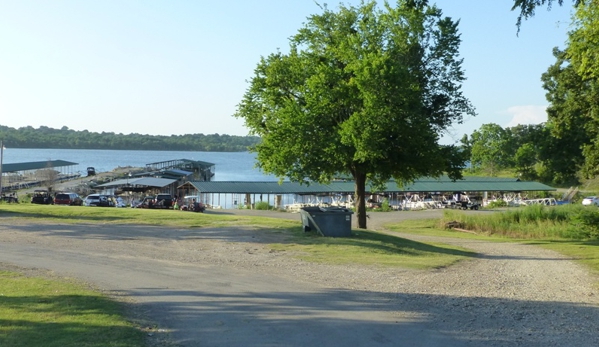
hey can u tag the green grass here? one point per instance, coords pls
(569, 222)
(585, 252)
(373, 249)
(57, 313)
(83, 214)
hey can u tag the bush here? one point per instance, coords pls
(263, 205)
(584, 223)
(536, 221)
(385, 207)
(497, 203)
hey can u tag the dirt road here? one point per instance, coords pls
(217, 287)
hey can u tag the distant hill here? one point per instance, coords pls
(65, 138)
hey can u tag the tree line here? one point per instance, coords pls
(65, 138)
(564, 149)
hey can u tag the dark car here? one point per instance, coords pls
(164, 201)
(72, 199)
(42, 197)
(10, 199)
(158, 201)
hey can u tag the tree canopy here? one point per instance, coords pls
(572, 85)
(527, 7)
(489, 148)
(364, 91)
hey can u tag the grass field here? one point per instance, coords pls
(584, 251)
(37, 311)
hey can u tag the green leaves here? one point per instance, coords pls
(364, 91)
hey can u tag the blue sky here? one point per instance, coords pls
(180, 67)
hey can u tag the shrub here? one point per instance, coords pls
(497, 203)
(385, 207)
(535, 221)
(263, 205)
(585, 223)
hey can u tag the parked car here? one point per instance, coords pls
(164, 201)
(591, 200)
(72, 199)
(10, 198)
(100, 200)
(146, 202)
(158, 201)
(41, 196)
(120, 202)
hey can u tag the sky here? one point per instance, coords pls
(181, 66)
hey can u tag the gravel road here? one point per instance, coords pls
(223, 287)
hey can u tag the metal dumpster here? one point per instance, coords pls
(328, 221)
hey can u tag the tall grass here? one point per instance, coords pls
(537, 221)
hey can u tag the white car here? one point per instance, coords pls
(590, 200)
(99, 200)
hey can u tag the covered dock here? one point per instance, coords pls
(202, 170)
(24, 175)
(238, 193)
(142, 184)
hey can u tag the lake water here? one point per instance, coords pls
(229, 166)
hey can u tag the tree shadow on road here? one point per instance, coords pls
(358, 318)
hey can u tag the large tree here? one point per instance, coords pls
(490, 149)
(527, 7)
(365, 91)
(572, 85)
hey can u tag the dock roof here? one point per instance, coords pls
(443, 184)
(35, 165)
(143, 181)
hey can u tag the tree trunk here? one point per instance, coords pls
(360, 188)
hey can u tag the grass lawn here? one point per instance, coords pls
(372, 248)
(584, 252)
(36, 311)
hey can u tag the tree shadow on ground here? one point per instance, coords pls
(358, 318)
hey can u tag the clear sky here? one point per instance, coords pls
(181, 66)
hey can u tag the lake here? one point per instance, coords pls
(229, 166)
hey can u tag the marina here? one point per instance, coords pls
(201, 179)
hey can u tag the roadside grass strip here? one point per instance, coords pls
(372, 249)
(106, 215)
(584, 251)
(43, 312)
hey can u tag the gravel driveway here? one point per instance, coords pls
(217, 287)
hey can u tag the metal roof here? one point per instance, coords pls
(143, 181)
(175, 173)
(469, 184)
(35, 165)
(201, 163)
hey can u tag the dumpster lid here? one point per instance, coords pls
(334, 209)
